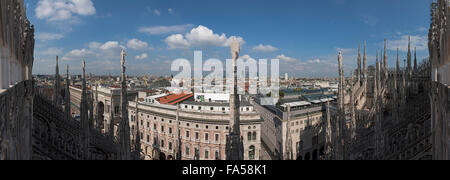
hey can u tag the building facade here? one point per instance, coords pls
(16, 85)
(439, 47)
(197, 130)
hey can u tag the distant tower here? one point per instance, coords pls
(84, 116)
(124, 124)
(234, 141)
(67, 97)
(57, 88)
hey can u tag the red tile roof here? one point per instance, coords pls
(173, 99)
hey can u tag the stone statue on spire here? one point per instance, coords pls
(124, 124)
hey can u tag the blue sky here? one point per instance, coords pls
(305, 35)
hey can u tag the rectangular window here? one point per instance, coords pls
(206, 154)
(170, 130)
(187, 134)
(187, 150)
(148, 138)
(148, 124)
(170, 146)
(196, 135)
(217, 155)
(217, 137)
(206, 136)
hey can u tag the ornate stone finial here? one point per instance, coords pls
(83, 64)
(122, 57)
(398, 60)
(235, 49)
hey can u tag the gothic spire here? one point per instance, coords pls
(352, 108)
(91, 105)
(329, 132)
(57, 88)
(234, 142)
(288, 143)
(96, 115)
(375, 79)
(178, 154)
(397, 69)
(67, 96)
(359, 63)
(409, 73)
(385, 61)
(365, 66)
(124, 126)
(111, 129)
(341, 110)
(84, 115)
(137, 133)
(415, 59)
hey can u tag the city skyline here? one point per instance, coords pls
(161, 32)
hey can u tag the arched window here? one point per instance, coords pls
(254, 136)
(249, 136)
(251, 153)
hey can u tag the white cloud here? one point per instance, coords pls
(316, 61)
(177, 41)
(170, 10)
(159, 30)
(111, 45)
(137, 44)
(44, 36)
(76, 54)
(286, 58)
(421, 42)
(201, 36)
(265, 48)
(142, 56)
(51, 51)
(61, 10)
(99, 51)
